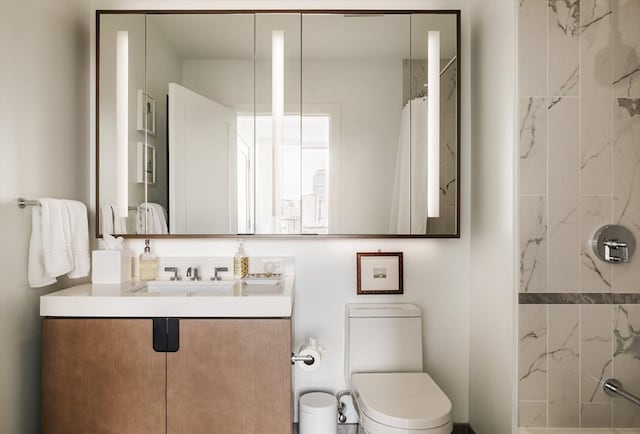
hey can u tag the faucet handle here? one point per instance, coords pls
(173, 270)
(216, 270)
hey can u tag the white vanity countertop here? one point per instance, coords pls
(185, 299)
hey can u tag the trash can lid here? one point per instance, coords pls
(318, 403)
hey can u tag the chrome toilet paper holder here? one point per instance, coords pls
(307, 359)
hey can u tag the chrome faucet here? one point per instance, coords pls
(175, 272)
(195, 275)
(217, 270)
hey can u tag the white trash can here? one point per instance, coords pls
(318, 413)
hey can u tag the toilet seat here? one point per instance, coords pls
(404, 400)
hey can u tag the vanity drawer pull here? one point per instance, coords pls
(166, 335)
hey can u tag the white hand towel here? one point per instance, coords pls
(56, 237)
(106, 218)
(37, 275)
(159, 219)
(79, 226)
(141, 219)
(151, 219)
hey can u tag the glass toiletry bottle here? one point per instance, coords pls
(147, 264)
(240, 263)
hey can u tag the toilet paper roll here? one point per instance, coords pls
(309, 351)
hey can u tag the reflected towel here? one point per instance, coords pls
(106, 218)
(151, 219)
(110, 223)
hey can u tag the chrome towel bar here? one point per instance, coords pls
(22, 202)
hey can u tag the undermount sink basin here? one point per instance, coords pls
(187, 288)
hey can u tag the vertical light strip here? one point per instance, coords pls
(433, 125)
(122, 123)
(277, 111)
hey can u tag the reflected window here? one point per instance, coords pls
(244, 170)
(303, 173)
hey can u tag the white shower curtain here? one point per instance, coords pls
(409, 202)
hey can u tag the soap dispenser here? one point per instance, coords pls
(240, 263)
(147, 264)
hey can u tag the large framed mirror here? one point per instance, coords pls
(279, 123)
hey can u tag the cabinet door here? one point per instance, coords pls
(101, 377)
(230, 377)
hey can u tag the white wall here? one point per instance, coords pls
(44, 152)
(493, 241)
(436, 272)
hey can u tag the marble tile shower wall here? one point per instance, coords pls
(579, 113)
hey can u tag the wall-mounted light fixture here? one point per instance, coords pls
(433, 124)
(122, 123)
(277, 111)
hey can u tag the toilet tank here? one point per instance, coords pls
(383, 338)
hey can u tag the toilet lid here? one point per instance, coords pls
(410, 400)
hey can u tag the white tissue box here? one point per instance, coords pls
(110, 266)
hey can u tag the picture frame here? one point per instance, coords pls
(146, 164)
(146, 118)
(379, 273)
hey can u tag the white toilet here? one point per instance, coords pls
(383, 368)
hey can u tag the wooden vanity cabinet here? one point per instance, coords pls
(228, 376)
(101, 376)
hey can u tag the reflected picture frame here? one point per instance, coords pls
(379, 273)
(146, 164)
(146, 113)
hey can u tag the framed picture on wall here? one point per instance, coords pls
(146, 164)
(146, 118)
(379, 273)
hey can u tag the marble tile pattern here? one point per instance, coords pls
(563, 41)
(626, 190)
(579, 169)
(566, 352)
(626, 52)
(595, 212)
(532, 363)
(532, 47)
(533, 145)
(626, 361)
(533, 244)
(532, 414)
(563, 353)
(563, 197)
(578, 298)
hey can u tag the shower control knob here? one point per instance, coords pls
(614, 244)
